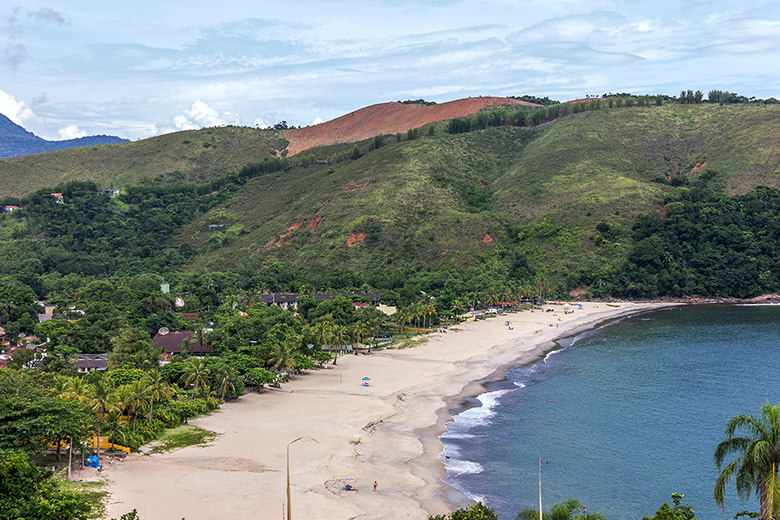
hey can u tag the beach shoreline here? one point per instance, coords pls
(399, 420)
(462, 401)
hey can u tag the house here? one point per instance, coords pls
(48, 308)
(86, 363)
(58, 197)
(9, 209)
(216, 227)
(176, 342)
(286, 301)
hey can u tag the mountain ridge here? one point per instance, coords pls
(16, 141)
(387, 118)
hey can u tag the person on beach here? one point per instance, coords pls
(375, 485)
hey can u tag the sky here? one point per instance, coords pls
(70, 68)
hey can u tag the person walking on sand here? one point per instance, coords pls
(375, 485)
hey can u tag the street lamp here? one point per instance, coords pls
(289, 512)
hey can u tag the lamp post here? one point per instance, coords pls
(540, 489)
(289, 511)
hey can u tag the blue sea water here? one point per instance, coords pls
(622, 416)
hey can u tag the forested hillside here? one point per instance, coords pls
(638, 201)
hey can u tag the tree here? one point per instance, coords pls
(678, 512)
(131, 350)
(102, 399)
(27, 491)
(196, 374)
(758, 457)
(258, 376)
(282, 355)
(158, 389)
(360, 330)
(30, 420)
(135, 398)
(569, 510)
(476, 511)
(339, 339)
(323, 331)
(224, 381)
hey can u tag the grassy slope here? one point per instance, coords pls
(577, 171)
(188, 155)
(413, 204)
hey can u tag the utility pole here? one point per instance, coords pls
(289, 508)
(540, 488)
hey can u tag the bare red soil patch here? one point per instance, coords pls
(356, 187)
(385, 118)
(698, 168)
(315, 222)
(355, 238)
(488, 239)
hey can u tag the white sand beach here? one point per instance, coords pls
(398, 418)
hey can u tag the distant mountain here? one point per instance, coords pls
(15, 141)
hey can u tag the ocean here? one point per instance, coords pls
(622, 416)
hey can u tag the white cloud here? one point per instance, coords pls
(71, 132)
(200, 115)
(317, 121)
(15, 110)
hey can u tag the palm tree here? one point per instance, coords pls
(102, 399)
(339, 338)
(60, 386)
(77, 388)
(429, 308)
(196, 374)
(458, 307)
(758, 458)
(158, 389)
(402, 317)
(134, 398)
(360, 330)
(224, 381)
(322, 331)
(282, 356)
(113, 427)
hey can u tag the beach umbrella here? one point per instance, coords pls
(366, 379)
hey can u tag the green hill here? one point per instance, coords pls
(423, 201)
(191, 155)
(634, 201)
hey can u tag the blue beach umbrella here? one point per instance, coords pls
(366, 379)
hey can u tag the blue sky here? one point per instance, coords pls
(135, 69)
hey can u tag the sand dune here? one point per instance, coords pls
(398, 418)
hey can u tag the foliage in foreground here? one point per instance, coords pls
(569, 510)
(755, 441)
(476, 511)
(27, 491)
(678, 512)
